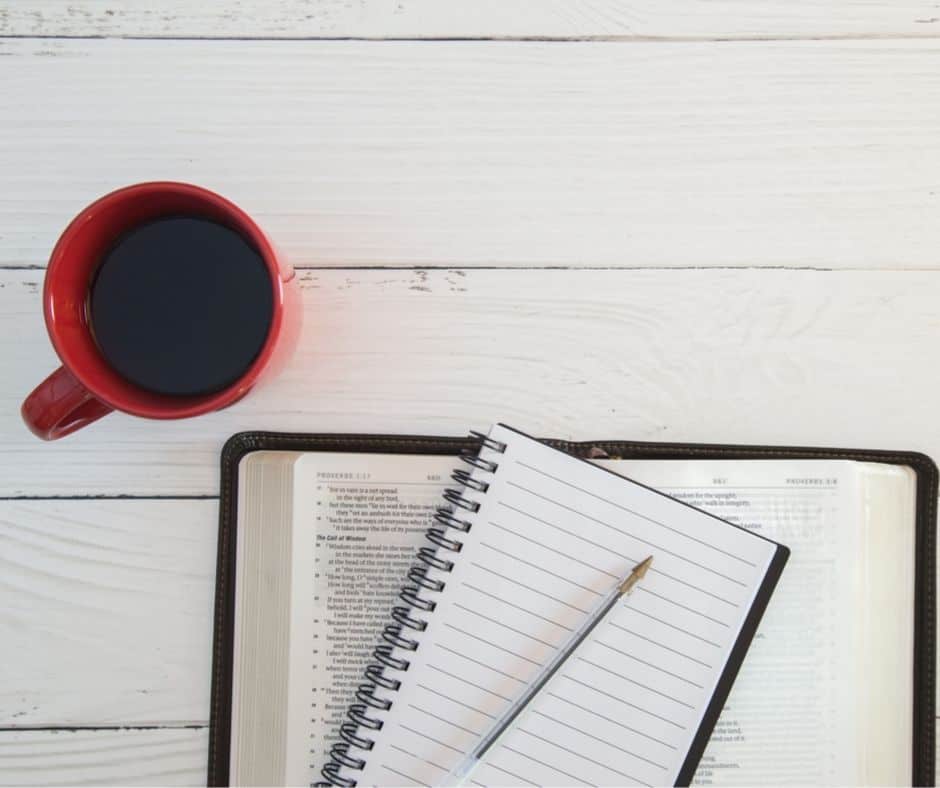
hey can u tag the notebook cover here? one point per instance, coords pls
(923, 749)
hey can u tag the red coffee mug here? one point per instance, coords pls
(85, 387)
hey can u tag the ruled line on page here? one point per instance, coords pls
(579, 779)
(539, 568)
(454, 700)
(494, 645)
(611, 720)
(638, 683)
(481, 664)
(635, 609)
(505, 626)
(517, 607)
(582, 756)
(611, 551)
(529, 588)
(640, 539)
(566, 556)
(650, 665)
(408, 777)
(615, 625)
(679, 604)
(625, 702)
(444, 719)
(599, 739)
(419, 758)
(467, 681)
(511, 774)
(637, 514)
(430, 738)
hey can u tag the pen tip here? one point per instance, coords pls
(636, 575)
(641, 568)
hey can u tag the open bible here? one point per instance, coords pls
(318, 541)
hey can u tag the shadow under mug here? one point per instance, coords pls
(85, 387)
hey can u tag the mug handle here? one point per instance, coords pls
(60, 405)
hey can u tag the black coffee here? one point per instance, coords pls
(181, 306)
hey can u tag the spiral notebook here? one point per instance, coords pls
(526, 545)
(317, 533)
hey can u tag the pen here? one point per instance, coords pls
(461, 772)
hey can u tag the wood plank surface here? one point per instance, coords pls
(94, 757)
(760, 356)
(462, 19)
(796, 153)
(107, 612)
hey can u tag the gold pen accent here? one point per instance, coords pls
(638, 573)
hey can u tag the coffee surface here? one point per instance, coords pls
(181, 306)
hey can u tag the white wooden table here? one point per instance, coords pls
(681, 220)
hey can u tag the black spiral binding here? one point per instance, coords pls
(363, 716)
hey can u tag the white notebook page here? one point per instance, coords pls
(552, 534)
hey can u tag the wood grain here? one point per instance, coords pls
(461, 19)
(761, 356)
(799, 153)
(107, 612)
(125, 757)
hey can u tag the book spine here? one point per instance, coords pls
(402, 636)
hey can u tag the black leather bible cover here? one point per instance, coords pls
(924, 667)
